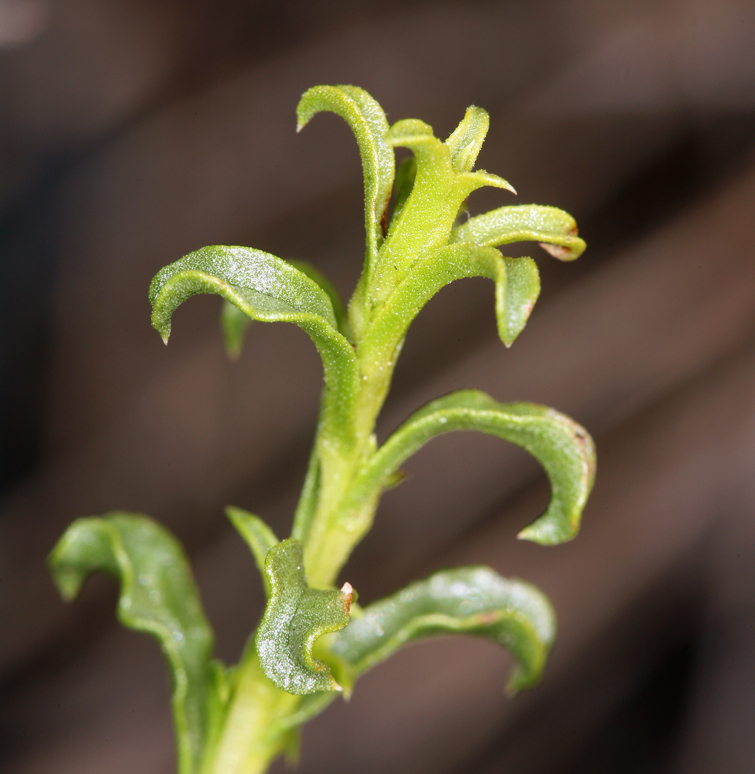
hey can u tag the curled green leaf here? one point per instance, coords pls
(295, 617)
(467, 139)
(234, 322)
(158, 596)
(554, 229)
(517, 286)
(268, 289)
(468, 600)
(563, 448)
(367, 120)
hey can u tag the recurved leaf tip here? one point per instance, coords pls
(563, 448)
(468, 600)
(269, 289)
(367, 120)
(554, 229)
(157, 596)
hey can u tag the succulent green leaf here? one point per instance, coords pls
(428, 215)
(257, 535)
(467, 139)
(295, 617)
(517, 286)
(233, 324)
(158, 596)
(555, 229)
(367, 120)
(268, 289)
(468, 600)
(563, 448)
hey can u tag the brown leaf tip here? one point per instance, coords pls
(348, 592)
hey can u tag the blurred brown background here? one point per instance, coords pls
(134, 131)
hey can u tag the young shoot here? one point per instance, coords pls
(314, 641)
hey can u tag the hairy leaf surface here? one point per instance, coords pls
(555, 229)
(234, 322)
(268, 289)
(467, 600)
(295, 617)
(466, 140)
(368, 122)
(561, 446)
(158, 596)
(427, 217)
(517, 286)
(405, 176)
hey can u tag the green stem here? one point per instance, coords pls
(329, 542)
(331, 532)
(252, 735)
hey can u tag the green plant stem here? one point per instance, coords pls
(251, 736)
(334, 532)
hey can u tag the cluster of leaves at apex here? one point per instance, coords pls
(314, 640)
